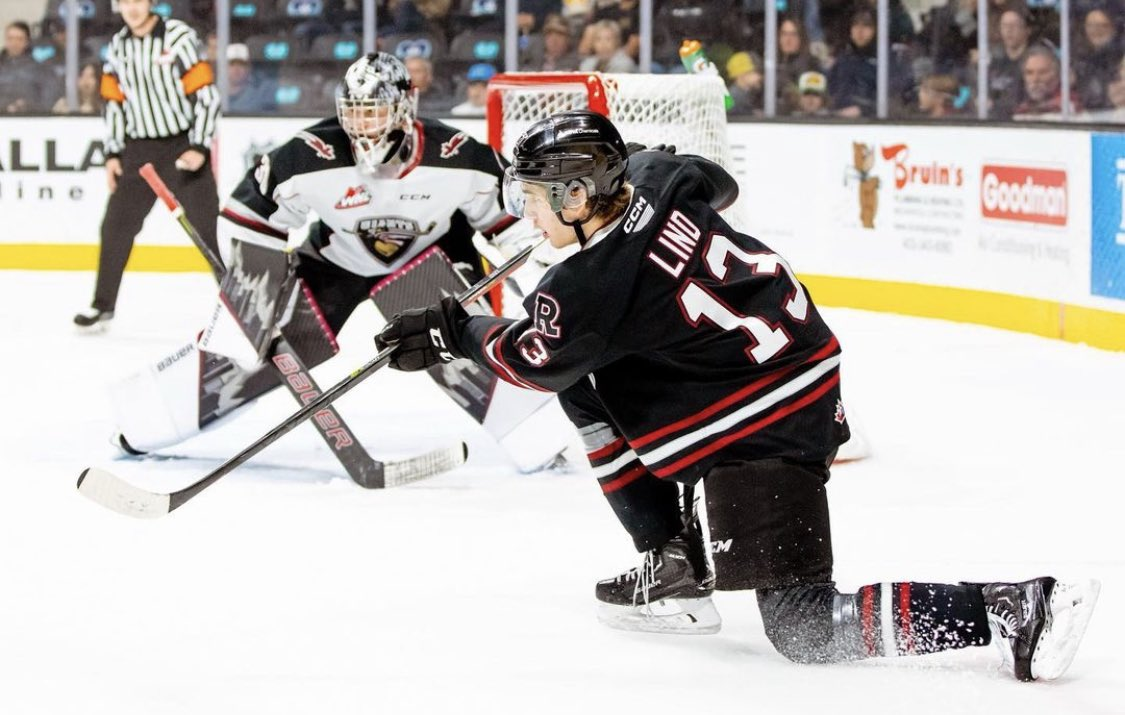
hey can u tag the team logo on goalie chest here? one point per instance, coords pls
(356, 196)
(387, 237)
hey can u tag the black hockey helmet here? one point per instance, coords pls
(577, 156)
(376, 107)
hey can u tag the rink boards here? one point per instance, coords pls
(1014, 227)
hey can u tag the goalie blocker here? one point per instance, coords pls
(198, 385)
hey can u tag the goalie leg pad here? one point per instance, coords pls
(178, 396)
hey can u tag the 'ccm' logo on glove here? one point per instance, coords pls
(439, 342)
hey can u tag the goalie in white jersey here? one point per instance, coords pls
(398, 201)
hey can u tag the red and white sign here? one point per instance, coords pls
(1024, 193)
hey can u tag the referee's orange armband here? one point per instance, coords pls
(197, 77)
(111, 90)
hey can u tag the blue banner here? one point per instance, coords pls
(1107, 217)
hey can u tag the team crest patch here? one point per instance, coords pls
(356, 196)
(166, 58)
(323, 149)
(451, 147)
(839, 416)
(387, 237)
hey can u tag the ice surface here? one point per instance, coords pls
(287, 589)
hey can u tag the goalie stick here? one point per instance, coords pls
(114, 493)
(292, 371)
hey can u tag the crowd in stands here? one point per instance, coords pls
(286, 55)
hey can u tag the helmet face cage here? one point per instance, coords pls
(376, 107)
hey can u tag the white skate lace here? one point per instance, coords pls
(645, 575)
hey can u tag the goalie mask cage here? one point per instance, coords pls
(685, 110)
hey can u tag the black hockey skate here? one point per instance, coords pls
(670, 592)
(1038, 624)
(93, 320)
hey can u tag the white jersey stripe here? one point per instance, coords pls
(608, 470)
(763, 403)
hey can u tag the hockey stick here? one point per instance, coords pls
(360, 466)
(114, 493)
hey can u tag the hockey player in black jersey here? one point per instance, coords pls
(397, 201)
(685, 351)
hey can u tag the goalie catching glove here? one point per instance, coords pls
(423, 337)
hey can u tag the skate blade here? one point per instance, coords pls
(683, 616)
(1072, 604)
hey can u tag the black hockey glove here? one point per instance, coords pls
(423, 337)
(632, 148)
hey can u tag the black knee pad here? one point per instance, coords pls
(798, 621)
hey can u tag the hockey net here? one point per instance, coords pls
(683, 110)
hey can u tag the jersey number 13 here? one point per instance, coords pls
(767, 340)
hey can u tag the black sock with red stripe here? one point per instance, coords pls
(814, 623)
(915, 618)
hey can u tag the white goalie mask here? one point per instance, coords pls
(376, 108)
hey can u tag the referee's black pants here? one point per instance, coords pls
(133, 200)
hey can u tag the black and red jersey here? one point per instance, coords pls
(699, 340)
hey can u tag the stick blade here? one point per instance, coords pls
(425, 465)
(114, 493)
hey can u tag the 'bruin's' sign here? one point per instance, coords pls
(1023, 193)
(17, 155)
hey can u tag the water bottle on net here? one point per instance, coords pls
(696, 62)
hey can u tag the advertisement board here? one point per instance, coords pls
(980, 208)
(1107, 225)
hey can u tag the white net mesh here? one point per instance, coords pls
(684, 110)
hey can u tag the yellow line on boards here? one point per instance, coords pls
(1077, 324)
(84, 257)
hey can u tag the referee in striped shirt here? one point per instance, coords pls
(161, 107)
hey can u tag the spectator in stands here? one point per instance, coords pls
(793, 60)
(211, 49)
(937, 96)
(852, 77)
(626, 13)
(1042, 85)
(476, 91)
(1097, 55)
(533, 14)
(608, 54)
(22, 79)
(556, 53)
(1005, 79)
(249, 92)
(89, 95)
(745, 73)
(430, 98)
(812, 95)
(1116, 95)
(949, 36)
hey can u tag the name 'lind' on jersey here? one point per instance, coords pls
(385, 184)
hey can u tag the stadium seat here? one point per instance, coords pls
(414, 44)
(301, 9)
(270, 48)
(332, 48)
(178, 9)
(477, 46)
